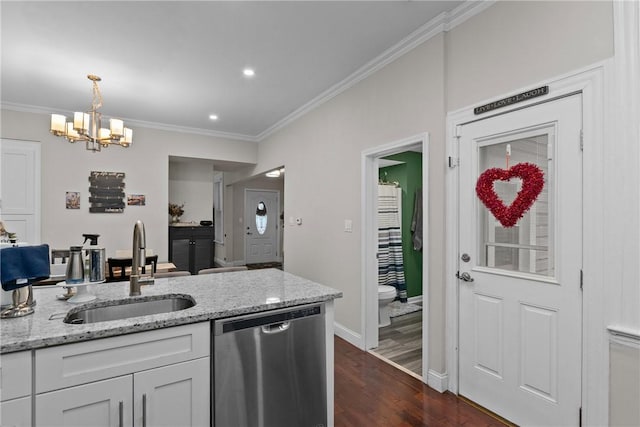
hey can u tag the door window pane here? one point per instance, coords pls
(261, 218)
(526, 247)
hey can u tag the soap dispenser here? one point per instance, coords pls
(95, 259)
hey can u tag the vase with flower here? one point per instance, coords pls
(176, 211)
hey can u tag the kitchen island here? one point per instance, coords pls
(69, 362)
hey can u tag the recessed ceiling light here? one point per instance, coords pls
(249, 72)
(213, 116)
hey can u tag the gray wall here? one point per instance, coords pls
(191, 183)
(506, 47)
(66, 167)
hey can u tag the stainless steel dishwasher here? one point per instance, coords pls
(270, 369)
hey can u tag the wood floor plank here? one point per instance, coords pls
(370, 392)
(401, 341)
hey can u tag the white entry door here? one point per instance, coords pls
(262, 212)
(520, 299)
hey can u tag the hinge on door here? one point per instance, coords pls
(453, 162)
(581, 279)
(581, 140)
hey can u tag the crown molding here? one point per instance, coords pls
(139, 123)
(446, 21)
(442, 23)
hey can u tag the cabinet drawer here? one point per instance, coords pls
(73, 364)
(180, 232)
(15, 375)
(202, 232)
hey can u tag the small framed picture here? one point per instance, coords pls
(72, 200)
(136, 199)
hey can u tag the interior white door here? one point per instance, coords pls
(20, 188)
(262, 211)
(520, 301)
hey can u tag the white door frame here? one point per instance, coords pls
(369, 240)
(278, 225)
(589, 82)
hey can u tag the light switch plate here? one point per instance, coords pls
(348, 226)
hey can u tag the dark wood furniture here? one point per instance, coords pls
(123, 263)
(191, 248)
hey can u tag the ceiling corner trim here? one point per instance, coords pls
(444, 22)
(467, 10)
(23, 108)
(197, 131)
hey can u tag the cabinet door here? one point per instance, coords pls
(16, 412)
(102, 403)
(202, 254)
(180, 253)
(173, 395)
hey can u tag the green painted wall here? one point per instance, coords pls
(409, 176)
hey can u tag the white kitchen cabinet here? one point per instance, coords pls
(15, 389)
(174, 395)
(101, 403)
(154, 378)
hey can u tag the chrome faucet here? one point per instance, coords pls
(139, 259)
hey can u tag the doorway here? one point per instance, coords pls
(371, 159)
(262, 229)
(519, 288)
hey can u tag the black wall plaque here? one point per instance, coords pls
(512, 100)
(107, 192)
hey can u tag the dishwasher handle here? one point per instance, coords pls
(275, 328)
(269, 321)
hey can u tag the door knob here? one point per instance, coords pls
(464, 276)
(248, 232)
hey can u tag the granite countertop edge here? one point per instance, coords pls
(217, 296)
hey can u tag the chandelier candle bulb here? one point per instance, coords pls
(58, 124)
(81, 122)
(128, 137)
(117, 127)
(71, 133)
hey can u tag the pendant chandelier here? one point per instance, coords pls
(87, 126)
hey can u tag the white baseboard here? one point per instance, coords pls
(438, 381)
(221, 262)
(348, 335)
(415, 300)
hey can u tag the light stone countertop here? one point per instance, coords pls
(217, 296)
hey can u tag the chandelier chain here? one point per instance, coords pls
(97, 97)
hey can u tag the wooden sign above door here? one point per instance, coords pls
(534, 93)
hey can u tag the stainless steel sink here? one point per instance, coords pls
(130, 307)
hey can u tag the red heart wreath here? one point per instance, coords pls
(532, 184)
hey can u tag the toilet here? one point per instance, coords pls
(386, 294)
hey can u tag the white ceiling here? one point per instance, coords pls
(174, 63)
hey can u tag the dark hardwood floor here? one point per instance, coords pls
(370, 392)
